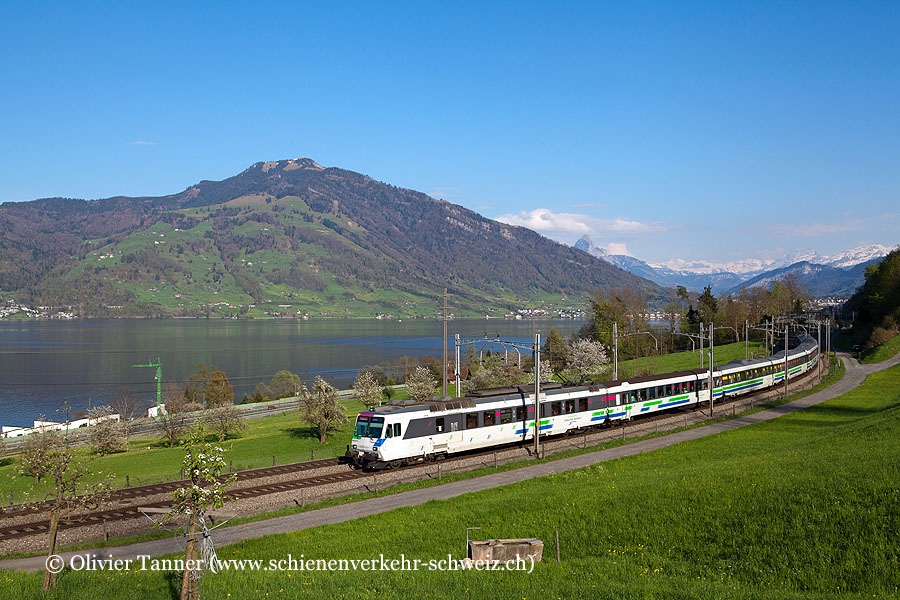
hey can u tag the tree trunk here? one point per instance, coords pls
(322, 431)
(190, 589)
(50, 578)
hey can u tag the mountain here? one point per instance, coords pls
(285, 236)
(821, 280)
(836, 275)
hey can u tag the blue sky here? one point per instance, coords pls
(692, 130)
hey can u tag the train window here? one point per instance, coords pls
(488, 418)
(520, 413)
(582, 404)
(620, 398)
(439, 424)
(570, 406)
(669, 390)
(471, 420)
(505, 416)
(555, 408)
(396, 429)
(389, 431)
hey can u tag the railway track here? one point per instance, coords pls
(142, 491)
(126, 513)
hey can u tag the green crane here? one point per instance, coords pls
(158, 366)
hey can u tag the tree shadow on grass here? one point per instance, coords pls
(303, 433)
(5, 462)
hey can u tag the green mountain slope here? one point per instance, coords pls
(287, 237)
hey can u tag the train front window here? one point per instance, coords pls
(369, 426)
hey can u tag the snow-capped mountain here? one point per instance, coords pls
(729, 276)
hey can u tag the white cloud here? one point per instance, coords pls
(546, 221)
(142, 143)
(617, 248)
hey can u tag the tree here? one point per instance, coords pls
(107, 436)
(320, 407)
(493, 372)
(682, 293)
(33, 460)
(69, 470)
(367, 389)
(205, 463)
(226, 421)
(196, 389)
(218, 390)
(173, 418)
(587, 357)
(128, 406)
(388, 393)
(556, 350)
(420, 384)
(708, 305)
(284, 385)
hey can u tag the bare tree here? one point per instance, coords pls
(128, 406)
(226, 421)
(106, 435)
(69, 470)
(367, 389)
(33, 459)
(173, 418)
(320, 407)
(420, 384)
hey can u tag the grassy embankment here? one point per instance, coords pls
(881, 353)
(801, 507)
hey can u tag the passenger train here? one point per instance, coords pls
(396, 435)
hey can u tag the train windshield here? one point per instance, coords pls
(369, 426)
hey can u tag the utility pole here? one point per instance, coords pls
(819, 343)
(537, 394)
(701, 344)
(711, 363)
(458, 394)
(747, 338)
(158, 366)
(444, 370)
(785, 360)
(615, 351)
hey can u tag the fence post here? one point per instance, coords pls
(273, 460)
(127, 481)
(312, 454)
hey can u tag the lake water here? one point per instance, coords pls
(44, 363)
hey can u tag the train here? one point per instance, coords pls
(401, 434)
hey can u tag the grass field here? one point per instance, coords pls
(881, 353)
(805, 506)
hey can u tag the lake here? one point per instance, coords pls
(84, 362)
